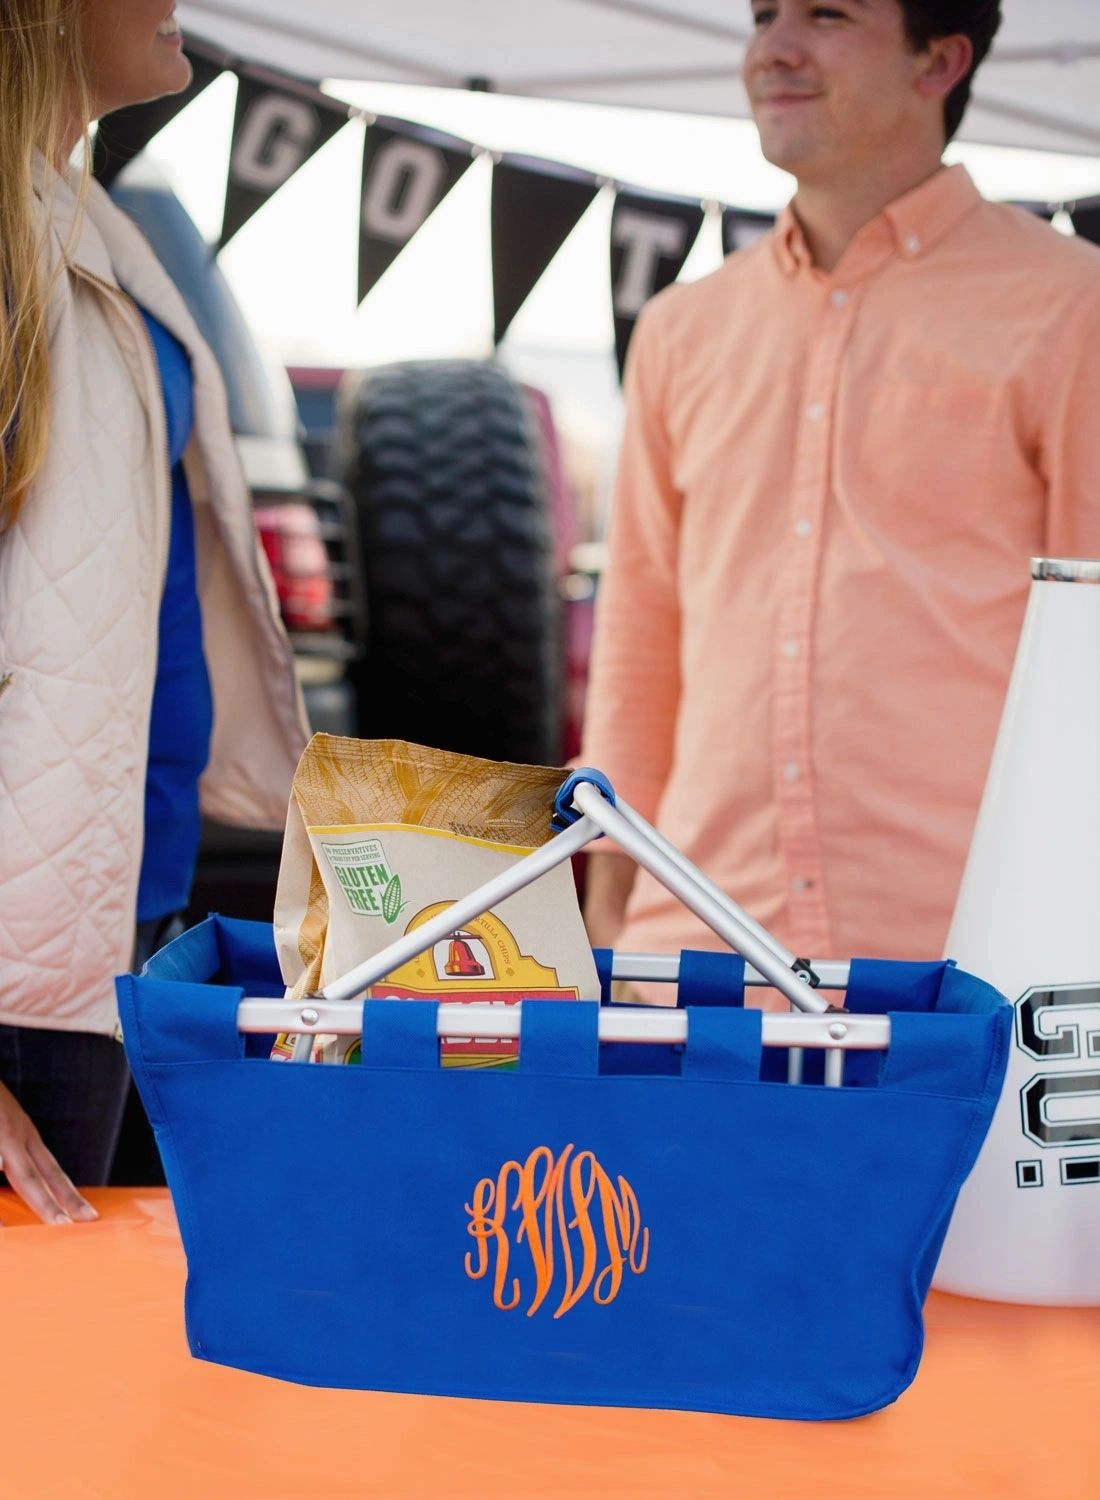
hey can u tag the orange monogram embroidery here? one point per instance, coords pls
(572, 1219)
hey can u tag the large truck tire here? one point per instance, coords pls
(464, 640)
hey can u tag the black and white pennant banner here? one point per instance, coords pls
(280, 122)
(536, 206)
(408, 169)
(407, 172)
(275, 131)
(651, 238)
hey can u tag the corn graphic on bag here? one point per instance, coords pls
(381, 837)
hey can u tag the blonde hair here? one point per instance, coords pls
(44, 95)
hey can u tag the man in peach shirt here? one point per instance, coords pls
(841, 451)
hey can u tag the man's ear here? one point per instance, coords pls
(944, 64)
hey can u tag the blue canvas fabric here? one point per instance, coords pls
(703, 1240)
(704, 979)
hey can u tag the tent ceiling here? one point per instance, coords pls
(1040, 88)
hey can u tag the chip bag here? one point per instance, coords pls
(381, 837)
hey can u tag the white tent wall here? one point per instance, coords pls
(1040, 88)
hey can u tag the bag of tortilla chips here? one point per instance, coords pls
(382, 836)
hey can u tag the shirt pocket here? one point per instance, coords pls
(915, 466)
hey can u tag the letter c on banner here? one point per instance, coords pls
(405, 184)
(645, 239)
(274, 140)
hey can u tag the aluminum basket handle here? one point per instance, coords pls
(586, 806)
(664, 968)
(826, 974)
(586, 795)
(835, 1035)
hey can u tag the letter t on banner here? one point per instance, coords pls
(651, 238)
(275, 132)
(407, 172)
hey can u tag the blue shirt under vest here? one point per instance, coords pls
(182, 713)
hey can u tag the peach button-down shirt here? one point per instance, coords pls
(830, 489)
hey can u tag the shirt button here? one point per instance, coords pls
(800, 883)
(911, 245)
(792, 770)
(803, 527)
(839, 299)
(790, 649)
(815, 412)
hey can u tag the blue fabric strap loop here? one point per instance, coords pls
(947, 1056)
(704, 979)
(711, 979)
(560, 1037)
(878, 986)
(723, 1044)
(170, 1021)
(400, 1034)
(604, 958)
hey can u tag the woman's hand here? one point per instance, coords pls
(32, 1171)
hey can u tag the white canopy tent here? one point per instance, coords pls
(1040, 88)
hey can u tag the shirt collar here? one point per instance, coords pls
(914, 222)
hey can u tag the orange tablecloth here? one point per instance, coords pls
(100, 1400)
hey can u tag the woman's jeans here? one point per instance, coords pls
(75, 1086)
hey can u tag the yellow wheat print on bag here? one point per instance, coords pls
(554, 1228)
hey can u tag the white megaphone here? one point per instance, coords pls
(1027, 1224)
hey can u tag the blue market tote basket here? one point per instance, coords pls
(658, 1227)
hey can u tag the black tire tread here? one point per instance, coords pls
(464, 641)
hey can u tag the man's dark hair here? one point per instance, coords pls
(925, 20)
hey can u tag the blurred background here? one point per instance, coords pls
(293, 265)
(433, 502)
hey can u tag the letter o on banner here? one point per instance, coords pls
(276, 136)
(407, 172)
(405, 184)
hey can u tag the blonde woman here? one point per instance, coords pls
(142, 662)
